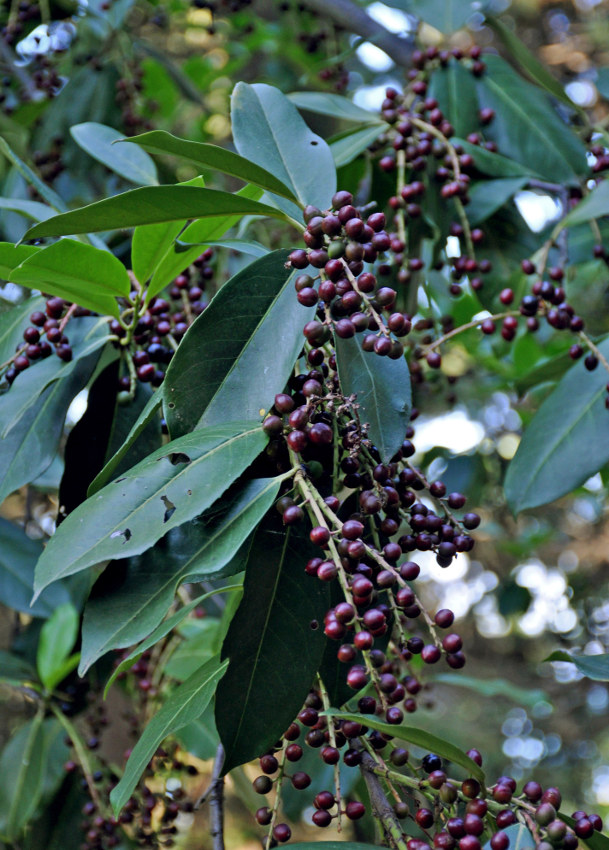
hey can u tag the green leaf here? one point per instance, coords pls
(520, 838)
(14, 321)
(77, 272)
(493, 164)
(87, 335)
(201, 234)
(30, 209)
(137, 593)
(147, 415)
(347, 146)
(131, 163)
(325, 103)
(18, 556)
(594, 205)
(45, 192)
(528, 62)
(592, 666)
(213, 157)
(13, 255)
(151, 242)
(526, 128)
(23, 759)
(487, 196)
(454, 87)
(168, 488)
(15, 670)
(210, 375)
(162, 630)
(448, 16)
(602, 82)
(493, 688)
(29, 450)
(150, 205)
(270, 644)
(57, 638)
(268, 130)
(185, 704)
(194, 650)
(333, 845)
(420, 738)
(597, 840)
(568, 434)
(200, 738)
(383, 393)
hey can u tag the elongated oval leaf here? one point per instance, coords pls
(594, 205)
(80, 273)
(211, 375)
(270, 644)
(493, 164)
(23, 759)
(383, 392)
(268, 130)
(12, 256)
(420, 738)
(326, 103)
(494, 687)
(592, 666)
(56, 640)
(526, 128)
(448, 17)
(185, 704)
(349, 145)
(87, 335)
(454, 87)
(143, 587)
(30, 209)
(214, 158)
(568, 433)
(168, 488)
(488, 196)
(14, 321)
(150, 205)
(597, 841)
(131, 163)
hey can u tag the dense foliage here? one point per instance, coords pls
(239, 531)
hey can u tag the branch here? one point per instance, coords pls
(352, 18)
(216, 801)
(381, 807)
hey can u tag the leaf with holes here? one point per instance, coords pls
(382, 387)
(270, 644)
(237, 337)
(568, 434)
(184, 705)
(170, 487)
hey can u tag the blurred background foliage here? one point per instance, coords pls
(534, 584)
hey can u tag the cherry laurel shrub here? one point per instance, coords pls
(239, 547)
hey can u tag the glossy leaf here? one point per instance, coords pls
(147, 415)
(594, 205)
(30, 209)
(168, 488)
(87, 336)
(150, 205)
(594, 667)
(195, 650)
(494, 688)
(526, 128)
(270, 644)
(597, 841)
(383, 393)
(568, 434)
(14, 321)
(28, 450)
(268, 130)
(448, 16)
(528, 62)
(132, 598)
(151, 242)
(185, 704)
(57, 638)
(12, 255)
(77, 272)
(326, 103)
(131, 163)
(454, 88)
(214, 158)
(494, 164)
(163, 630)
(23, 759)
(488, 196)
(520, 838)
(420, 738)
(238, 351)
(18, 556)
(346, 147)
(200, 234)
(200, 738)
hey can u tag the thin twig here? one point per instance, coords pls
(216, 801)
(381, 807)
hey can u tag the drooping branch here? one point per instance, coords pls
(354, 19)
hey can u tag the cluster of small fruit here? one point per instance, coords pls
(128, 97)
(448, 813)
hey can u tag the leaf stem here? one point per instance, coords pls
(82, 756)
